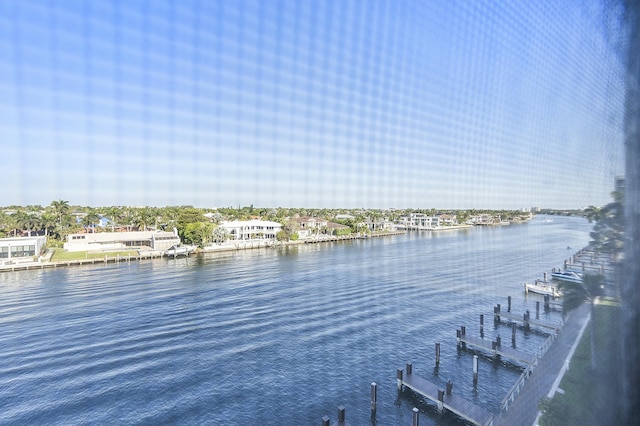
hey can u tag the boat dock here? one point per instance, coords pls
(444, 398)
(525, 319)
(494, 347)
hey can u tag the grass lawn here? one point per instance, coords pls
(60, 255)
(590, 395)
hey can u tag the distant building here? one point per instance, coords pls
(419, 221)
(252, 229)
(310, 226)
(21, 247)
(106, 241)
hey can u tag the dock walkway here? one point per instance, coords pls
(496, 348)
(452, 402)
(524, 409)
(521, 319)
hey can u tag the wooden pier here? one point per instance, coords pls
(494, 347)
(525, 319)
(444, 399)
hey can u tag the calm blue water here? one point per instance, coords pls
(269, 336)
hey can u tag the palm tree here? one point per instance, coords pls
(61, 209)
(90, 220)
(575, 294)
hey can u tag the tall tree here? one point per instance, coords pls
(575, 294)
(61, 209)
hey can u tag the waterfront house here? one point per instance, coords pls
(252, 229)
(108, 241)
(419, 221)
(21, 247)
(310, 226)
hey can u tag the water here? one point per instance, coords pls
(270, 336)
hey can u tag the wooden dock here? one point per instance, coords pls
(445, 399)
(524, 319)
(494, 347)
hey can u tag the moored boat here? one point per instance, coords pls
(176, 251)
(567, 276)
(541, 288)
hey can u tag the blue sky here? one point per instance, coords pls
(345, 103)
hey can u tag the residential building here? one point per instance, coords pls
(108, 241)
(310, 226)
(21, 247)
(252, 229)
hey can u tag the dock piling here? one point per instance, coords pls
(449, 387)
(545, 277)
(513, 334)
(326, 421)
(527, 318)
(537, 309)
(440, 400)
(547, 308)
(374, 398)
(475, 370)
(482, 326)
(437, 354)
(416, 421)
(508, 303)
(399, 378)
(341, 414)
(409, 368)
(496, 313)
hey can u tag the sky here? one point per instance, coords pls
(336, 104)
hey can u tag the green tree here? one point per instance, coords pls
(90, 220)
(608, 232)
(199, 233)
(61, 210)
(220, 235)
(575, 294)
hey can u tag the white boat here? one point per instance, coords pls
(176, 251)
(542, 288)
(567, 276)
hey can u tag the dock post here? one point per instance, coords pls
(482, 326)
(565, 265)
(463, 332)
(415, 421)
(449, 387)
(341, 414)
(537, 309)
(374, 398)
(437, 354)
(546, 303)
(513, 334)
(545, 277)
(440, 399)
(409, 368)
(475, 370)
(508, 303)
(399, 378)
(527, 318)
(553, 270)
(496, 313)
(498, 342)
(458, 336)
(326, 421)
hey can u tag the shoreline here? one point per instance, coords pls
(25, 265)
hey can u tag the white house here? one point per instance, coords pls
(251, 229)
(419, 221)
(21, 247)
(103, 241)
(310, 226)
